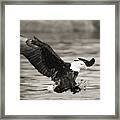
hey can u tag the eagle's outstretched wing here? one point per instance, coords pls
(43, 57)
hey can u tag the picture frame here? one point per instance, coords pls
(2, 90)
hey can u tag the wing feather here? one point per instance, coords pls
(43, 57)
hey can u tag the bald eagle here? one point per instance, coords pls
(48, 63)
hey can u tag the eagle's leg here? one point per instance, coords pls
(63, 85)
(74, 87)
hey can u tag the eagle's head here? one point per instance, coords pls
(81, 63)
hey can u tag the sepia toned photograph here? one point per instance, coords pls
(59, 59)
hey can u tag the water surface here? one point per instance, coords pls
(33, 84)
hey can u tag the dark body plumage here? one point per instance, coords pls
(48, 63)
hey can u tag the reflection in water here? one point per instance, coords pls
(33, 85)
